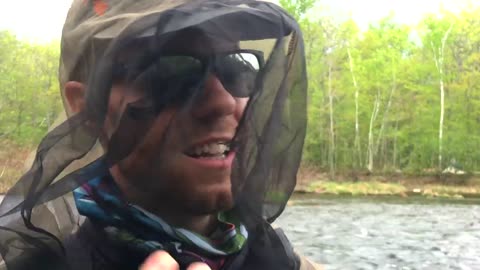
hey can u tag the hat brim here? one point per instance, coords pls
(242, 23)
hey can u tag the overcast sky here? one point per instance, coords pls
(410, 12)
(42, 21)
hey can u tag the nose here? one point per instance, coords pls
(215, 101)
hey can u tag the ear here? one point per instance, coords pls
(75, 96)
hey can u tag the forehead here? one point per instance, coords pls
(199, 41)
(188, 41)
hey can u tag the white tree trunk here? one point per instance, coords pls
(387, 108)
(439, 64)
(440, 128)
(358, 150)
(395, 146)
(370, 152)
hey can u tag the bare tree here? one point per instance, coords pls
(370, 151)
(439, 61)
(387, 108)
(357, 151)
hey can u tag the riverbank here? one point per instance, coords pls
(311, 180)
(428, 183)
(401, 189)
(12, 163)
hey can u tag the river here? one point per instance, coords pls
(382, 233)
(385, 233)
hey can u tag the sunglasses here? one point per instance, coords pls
(174, 78)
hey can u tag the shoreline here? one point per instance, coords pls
(410, 194)
(373, 188)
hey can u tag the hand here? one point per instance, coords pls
(161, 260)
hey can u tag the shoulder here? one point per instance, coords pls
(82, 249)
(78, 251)
(306, 264)
(302, 262)
(89, 249)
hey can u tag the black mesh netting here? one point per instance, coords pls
(163, 54)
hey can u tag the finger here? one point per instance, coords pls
(160, 260)
(198, 266)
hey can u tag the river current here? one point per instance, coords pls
(382, 233)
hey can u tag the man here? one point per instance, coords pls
(188, 120)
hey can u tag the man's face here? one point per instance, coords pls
(181, 156)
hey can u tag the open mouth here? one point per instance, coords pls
(213, 150)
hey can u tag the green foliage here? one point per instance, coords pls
(29, 94)
(297, 8)
(400, 73)
(393, 71)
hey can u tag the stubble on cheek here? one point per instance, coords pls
(145, 163)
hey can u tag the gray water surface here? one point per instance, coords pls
(360, 233)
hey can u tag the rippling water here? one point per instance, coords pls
(380, 233)
(361, 233)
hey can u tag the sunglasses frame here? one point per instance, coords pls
(120, 70)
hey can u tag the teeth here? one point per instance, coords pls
(221, 148)
(214, 150)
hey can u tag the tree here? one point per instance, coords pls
(297, 8)
(28, 89)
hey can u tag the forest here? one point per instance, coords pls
(391, 99)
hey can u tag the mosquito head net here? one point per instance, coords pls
(193, 106)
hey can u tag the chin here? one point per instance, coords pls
(211, 202)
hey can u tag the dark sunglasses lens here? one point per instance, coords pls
(169, 67)
(237, 72)
(171, 79)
